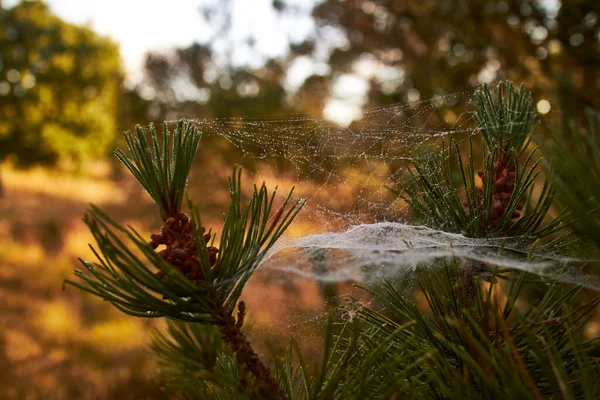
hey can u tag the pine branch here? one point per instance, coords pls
(195, 282)
(496, 200)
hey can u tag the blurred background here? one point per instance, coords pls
(75, 74)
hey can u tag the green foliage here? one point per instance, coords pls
(59, 88)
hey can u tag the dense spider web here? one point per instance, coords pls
(353, 227)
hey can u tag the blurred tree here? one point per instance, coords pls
(191, 83)
(405, 49)
(440, 45)
(59, 88)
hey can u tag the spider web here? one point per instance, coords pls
(352, 223)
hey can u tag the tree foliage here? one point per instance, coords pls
(443, 45)
(59, 88)
(424, 48)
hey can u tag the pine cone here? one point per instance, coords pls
(177, 235)
(504, 185)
